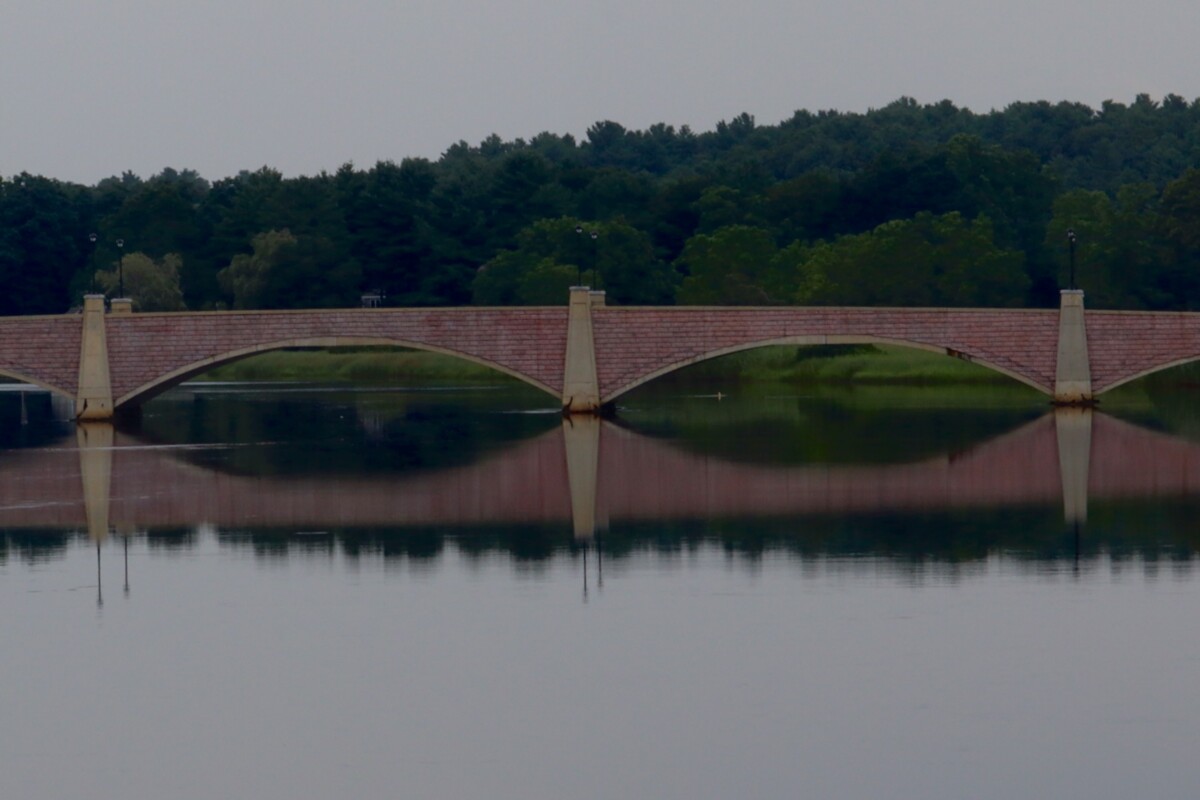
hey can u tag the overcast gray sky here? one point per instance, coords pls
(90, 89)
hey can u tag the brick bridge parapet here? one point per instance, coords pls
(587, 354)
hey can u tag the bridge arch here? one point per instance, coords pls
(822, 339)
(177, 376)
(49, 387)
(1166, 365)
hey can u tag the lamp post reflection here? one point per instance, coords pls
(599, 567)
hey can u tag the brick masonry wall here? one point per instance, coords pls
(1124, 344)
(44, 349)
(634, 342)
(529, 341)
(631, 342)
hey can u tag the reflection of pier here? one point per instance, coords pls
(115, 482)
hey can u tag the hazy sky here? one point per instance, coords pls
(90, 89)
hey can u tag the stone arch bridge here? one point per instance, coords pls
(585, 354)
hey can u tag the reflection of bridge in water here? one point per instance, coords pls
(114, 481)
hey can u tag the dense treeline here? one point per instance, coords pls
(908, 204)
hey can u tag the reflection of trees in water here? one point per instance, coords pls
(42, 425)
(281, 544)
(281, 435)
(1173, 397)
(171, 540)
(905, 543)
(825, 429)
(519, 542)
(36, 545)
(1150, 534)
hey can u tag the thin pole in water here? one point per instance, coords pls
(99, 588)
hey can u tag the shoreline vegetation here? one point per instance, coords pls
(851, 364)
(901, 372)
(910, 204)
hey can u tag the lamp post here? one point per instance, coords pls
(92, 238)
(120, 269)
(595, 266)
(1071, 257)
(579, 263)
(579, 267)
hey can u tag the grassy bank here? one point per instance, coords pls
(800, 365)
(367, 365)
(854, 364)
(822, 364)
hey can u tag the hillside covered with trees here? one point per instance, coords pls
(905, 205)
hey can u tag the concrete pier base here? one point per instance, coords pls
(1073, 373)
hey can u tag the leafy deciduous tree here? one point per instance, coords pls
(152, 285)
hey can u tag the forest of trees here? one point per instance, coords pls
(905, 205)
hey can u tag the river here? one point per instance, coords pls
(292, 591)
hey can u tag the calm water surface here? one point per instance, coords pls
(294, 592)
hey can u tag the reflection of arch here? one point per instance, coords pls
(823, 339)
(1066, 456)
(1179, 362)
(174, 377)
(23, 378)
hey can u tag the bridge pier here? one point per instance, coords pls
(1072, 372)
(94, 400)
(581, 388)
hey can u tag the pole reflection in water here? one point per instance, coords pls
(599, 566)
